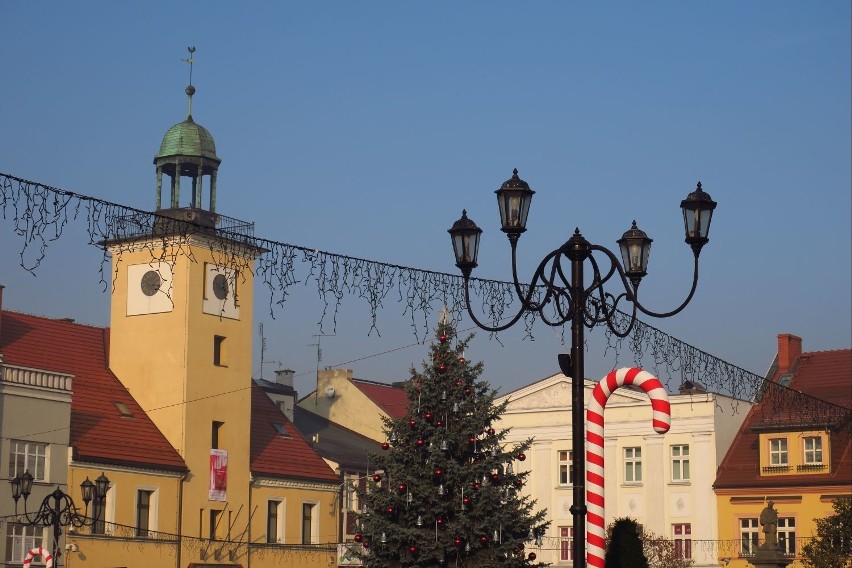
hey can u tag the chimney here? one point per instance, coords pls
(284, 377)
(789, 349)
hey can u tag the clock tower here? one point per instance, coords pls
(181, 326)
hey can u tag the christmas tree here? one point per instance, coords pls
(445, 491)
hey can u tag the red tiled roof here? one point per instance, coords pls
(391, 399)
(274, 455)
(825, 375)
(99, 431)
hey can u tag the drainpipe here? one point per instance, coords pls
(180, 517)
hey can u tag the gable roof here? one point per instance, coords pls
(826, 375)
(100, 431)
(275, 455)
(390, 398)
(336, 443)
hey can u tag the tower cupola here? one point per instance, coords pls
(187, 150)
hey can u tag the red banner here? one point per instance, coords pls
(218, 475)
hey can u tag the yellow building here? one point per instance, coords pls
(204, 469)
(794, 449)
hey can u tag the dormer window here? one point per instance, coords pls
(813, 450)
(778, 452)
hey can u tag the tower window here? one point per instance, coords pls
(219, 351)
(215, 431)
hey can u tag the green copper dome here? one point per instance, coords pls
(188, 139)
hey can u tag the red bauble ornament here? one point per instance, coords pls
(419, 442)
(366, 544)
(519, 483)
(532, 556)
(522, 457)
(440, 521)
(438, 472)
(491, 431)
(483, 539)
(476, 485)
(461, 359)
(466, 501)
(412, 549)
(457, 382)
(401, 487)
(457, 540)
(390, 510)
(412, 422)
(439, 423)
(472, 439)
(377, 477)
(358, 538)
(385, 445)
(495, 477)
(442, 368)
(468, 391)
(427, 415)
(442, 338)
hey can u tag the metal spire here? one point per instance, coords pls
(190, 90)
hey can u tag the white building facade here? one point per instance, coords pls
(663, 481)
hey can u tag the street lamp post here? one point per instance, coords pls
(58, 510)
(559, 297)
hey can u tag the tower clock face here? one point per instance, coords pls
(221, 284)
(149, 288)
(151, 283)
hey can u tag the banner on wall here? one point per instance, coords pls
(218, 475)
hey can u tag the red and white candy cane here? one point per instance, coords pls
(662, 419)
(45, 555)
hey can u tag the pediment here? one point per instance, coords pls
(555, 393)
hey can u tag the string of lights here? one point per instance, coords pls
(40, 214)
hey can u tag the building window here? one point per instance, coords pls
(144, 511)
(20, 539)
(566, 467)
(633, 465)
(680, 463)
(566, 544)
(682, 535)
(748, 537)
(813, 450)
(219, 358)
(28, 456)
(787, 535)
(778, 451)
(273, 526)
(215, 434)
(215, 519)
(308, 520)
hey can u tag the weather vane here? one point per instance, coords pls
(190, 90)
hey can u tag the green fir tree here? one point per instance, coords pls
(446, 492)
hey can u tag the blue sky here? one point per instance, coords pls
(364, 129)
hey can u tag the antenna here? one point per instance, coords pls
(318, 345)
(262, 347)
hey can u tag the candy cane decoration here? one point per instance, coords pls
(48, 558)
(662, 419)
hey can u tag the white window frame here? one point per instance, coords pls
(314, 522)
(24, 536)
(680, 463)
(565, 466)
(779, 455)
(566, 554)
(27, 450)
(749, 538)
(281, 517)
(633, 465)
(683, 537)
(812, 455)
(787, 535)
(153, 507)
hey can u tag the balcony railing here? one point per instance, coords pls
(180, 221)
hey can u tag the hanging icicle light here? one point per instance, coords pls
(419, 521)
(531, 535)
(444, 446)
(441, 490)
(509, 470)
(384, 539)
(494, 452)
(455, 408)
(393, 438)
(444, 396)
(495, 538)
(409, 498)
